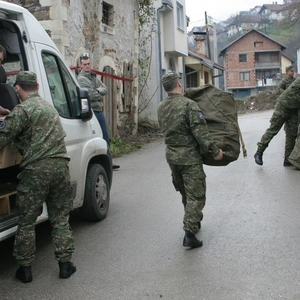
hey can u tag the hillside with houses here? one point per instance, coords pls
(254, 47)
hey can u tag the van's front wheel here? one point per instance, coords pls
(96, 196)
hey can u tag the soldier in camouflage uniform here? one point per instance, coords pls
(34, 126)
(288, 103)
(291, 125)
(186, 138)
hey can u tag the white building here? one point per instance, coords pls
(272, 12)
(166, 52)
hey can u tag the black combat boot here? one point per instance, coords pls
(286, 162)
(258, 158)
(66, 269)
(191, 241)
(24, 274)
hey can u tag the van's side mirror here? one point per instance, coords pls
(86, 109)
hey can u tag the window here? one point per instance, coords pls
(242, 57)
(258, 44)
(180, 14)
(62, 87)
(206, 77)
(107, 14)
(244, 76)
(191, 77)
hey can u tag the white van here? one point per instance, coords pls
(30, 48)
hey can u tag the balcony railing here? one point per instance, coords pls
(267, 65)
(267, 82)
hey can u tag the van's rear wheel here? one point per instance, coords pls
(96, 196)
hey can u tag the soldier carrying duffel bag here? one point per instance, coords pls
(219, 109)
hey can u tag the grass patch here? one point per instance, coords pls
(147, 132)
(122, 146)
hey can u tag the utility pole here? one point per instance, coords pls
(216, 79)
(207, 36)
(208, 45)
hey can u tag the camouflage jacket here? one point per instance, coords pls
(185, 131)
(285, 83)
(92, 83)
(34, 126)
(289, 100)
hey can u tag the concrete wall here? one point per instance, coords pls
(285, 62)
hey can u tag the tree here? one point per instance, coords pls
(292, 14)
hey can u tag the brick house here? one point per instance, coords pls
(252, 63)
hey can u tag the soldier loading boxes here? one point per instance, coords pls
(29, 47)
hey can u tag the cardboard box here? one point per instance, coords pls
(9, 156)
(5, 202)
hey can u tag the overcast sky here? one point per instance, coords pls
(219, 10)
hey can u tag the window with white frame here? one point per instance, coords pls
(180, 16)
(244, 76)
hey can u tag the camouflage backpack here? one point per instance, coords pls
(220, 113)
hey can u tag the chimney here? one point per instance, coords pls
(200, 42)
(200, 38)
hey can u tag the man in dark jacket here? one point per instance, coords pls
(97, 89)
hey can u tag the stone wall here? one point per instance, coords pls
(75, 27)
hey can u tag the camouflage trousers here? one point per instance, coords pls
(294, 157)
(44, 181)
(279, 117)
(291, 129)
(190, 182)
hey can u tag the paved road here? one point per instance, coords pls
(251, 234)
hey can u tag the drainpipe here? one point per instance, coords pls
(166, 6)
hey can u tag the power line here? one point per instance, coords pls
(197, 21)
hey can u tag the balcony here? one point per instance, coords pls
(266, 82)
(267, 65)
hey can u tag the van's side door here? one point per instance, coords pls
(59, 88)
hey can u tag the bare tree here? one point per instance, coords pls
(291, 14)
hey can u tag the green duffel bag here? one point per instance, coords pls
(220, 113)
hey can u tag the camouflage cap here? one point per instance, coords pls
(25, 77)
(289, 68)
(169, 77)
